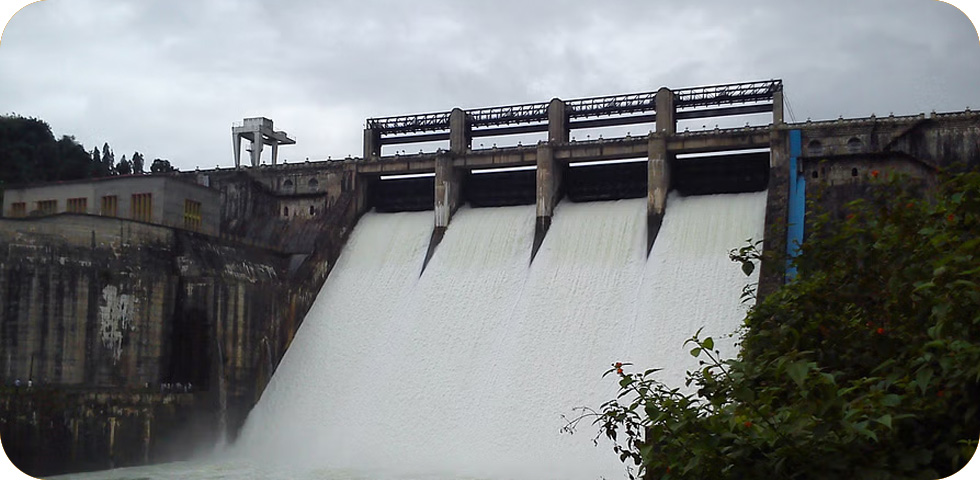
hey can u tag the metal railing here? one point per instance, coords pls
(729, 94)
(611, 105)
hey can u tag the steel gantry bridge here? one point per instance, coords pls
(557, 116)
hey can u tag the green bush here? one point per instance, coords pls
(866, 365)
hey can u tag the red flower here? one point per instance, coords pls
(874, 173)
(940, 393)
(909, 205)
(880, 331)
(619, 371)
(850, 216)
(950, 218)
(747, 424)
(618, 365)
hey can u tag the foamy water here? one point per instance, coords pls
(466, 371)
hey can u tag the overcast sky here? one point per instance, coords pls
(168, 78)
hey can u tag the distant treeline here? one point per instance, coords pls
(29, 153)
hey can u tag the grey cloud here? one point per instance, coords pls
(168, 78)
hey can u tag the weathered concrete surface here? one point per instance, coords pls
(550, 176)
(841, 159)
(49, 431)
(773, 268)
(448, 197)
(119, 306)
(167, 197)
(658, 184)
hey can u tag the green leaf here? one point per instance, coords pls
(862, 428)
(709, 343)
(885, 420)
(891, 400)
(797, 371)
(922, 378)
(748, 267)
(696, 352)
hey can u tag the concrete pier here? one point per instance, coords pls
(549, 180)
(372, 143)
(658, 184)
(448, 186)
(460, 135)
(666, 112)
(558, 130)
(771, 275)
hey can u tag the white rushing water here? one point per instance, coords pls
(466, 371)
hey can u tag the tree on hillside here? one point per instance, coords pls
(30, 153)
(27, 150)
(74, 161)
(161, 166)
(108, 159)
(867, 365)
(96, 167)
(137, 163)
(124, 167)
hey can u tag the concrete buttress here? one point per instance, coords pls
(448, 186)
(549, 179)
(658, 184)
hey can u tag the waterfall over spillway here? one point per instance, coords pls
(466, 371)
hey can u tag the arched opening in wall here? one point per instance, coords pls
(854, 145)
(313, 184)
(287, 184)
(312, 211)
(285, 211)
(814, 148)
(814, 174)
(854, 172)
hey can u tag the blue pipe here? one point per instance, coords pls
(796, 203)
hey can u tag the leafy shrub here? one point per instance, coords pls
(866, 365)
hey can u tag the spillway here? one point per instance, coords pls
(466, 370)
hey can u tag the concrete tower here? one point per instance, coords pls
(259, 131)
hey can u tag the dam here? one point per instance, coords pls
(402, 315)
(466, 371)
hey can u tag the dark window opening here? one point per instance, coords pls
(814, 148)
